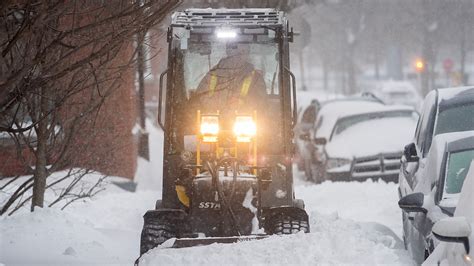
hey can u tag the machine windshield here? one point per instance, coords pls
(229, 74)
(229, 59)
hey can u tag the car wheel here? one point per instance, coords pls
(307, 170)
(317, 173)
(299, 162)
(404, 233)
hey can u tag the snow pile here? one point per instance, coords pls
(105, 229)
(369, 201)
(332, 241)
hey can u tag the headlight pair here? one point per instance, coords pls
(244, 128)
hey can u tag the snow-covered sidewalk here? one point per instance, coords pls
(105, 230)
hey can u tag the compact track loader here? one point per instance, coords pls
(227, 108)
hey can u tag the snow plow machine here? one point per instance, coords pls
(227, 105)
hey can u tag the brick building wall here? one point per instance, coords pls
(104, 140)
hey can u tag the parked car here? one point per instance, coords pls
(357, 140)
(398, 93)
(456, 234)
(305, 148)
(436, 193)
(443, 111)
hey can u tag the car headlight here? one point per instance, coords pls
(337, 162)
(468, 259)
(209, 128)
(319, 155)
(244, 128)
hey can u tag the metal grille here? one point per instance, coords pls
(230, 17)
(378, 165)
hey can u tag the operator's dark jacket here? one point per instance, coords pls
(229, 88)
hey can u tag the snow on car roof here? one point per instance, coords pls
(450, 97)
(331, 112)
(372, 137)
(449, 93)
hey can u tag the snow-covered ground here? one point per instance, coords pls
(351, 223)
(105, 230)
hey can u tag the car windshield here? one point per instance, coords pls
(347, 122)
(456, 118)
(456, 171)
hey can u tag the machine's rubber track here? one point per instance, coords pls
(285, 225)
(154, 234)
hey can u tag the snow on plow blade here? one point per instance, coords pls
(191, 242)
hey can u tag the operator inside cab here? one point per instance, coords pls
(233, 85)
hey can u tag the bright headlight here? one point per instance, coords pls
(209, 128)
(244, 128)
(337, 162)
(225, 33)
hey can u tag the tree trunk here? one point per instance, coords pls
(40, 173)
(376, 65)
(325, 75)
(143, 150)
(351, 70)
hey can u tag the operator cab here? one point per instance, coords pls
(228, 91)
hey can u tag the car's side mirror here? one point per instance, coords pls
(304, 136)
(453, 229)
(320, 141)
(413, 203)
(410, 153)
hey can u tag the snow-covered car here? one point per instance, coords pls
(444, 111)
(397, 92)
(435, 196)
(457, 233)
(305, 148)
(357, 140)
